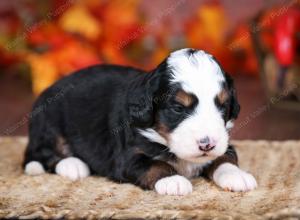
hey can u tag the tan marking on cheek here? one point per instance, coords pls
(223, 96)
(163, 130)
(157, 171)
(184, 98)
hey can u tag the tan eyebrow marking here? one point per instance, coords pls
(223, 96)
(184, 98)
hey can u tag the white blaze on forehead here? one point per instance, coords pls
(198, 73)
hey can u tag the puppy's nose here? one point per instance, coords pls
(206, 144)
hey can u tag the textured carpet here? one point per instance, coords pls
(276, 165)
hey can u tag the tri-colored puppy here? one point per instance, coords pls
(153, 129)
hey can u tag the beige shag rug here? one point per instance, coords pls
(276, 165)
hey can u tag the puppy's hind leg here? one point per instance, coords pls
(40, 155)
(48, 151)
(48, 156)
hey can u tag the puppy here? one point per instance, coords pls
(153, 129)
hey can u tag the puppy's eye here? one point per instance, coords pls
(178, 108)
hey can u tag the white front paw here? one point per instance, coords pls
(230, 177)
(173, 185)
(72, 168)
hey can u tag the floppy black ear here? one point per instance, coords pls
(234, 106)
(140, 107)
(140, 99)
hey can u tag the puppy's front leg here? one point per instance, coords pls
(154, 174)
(224, 171)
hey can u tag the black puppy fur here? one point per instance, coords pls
(94, 114)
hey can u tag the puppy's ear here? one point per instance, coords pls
(141, 106)
(234, 106)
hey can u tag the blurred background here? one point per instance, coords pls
(256, 41)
